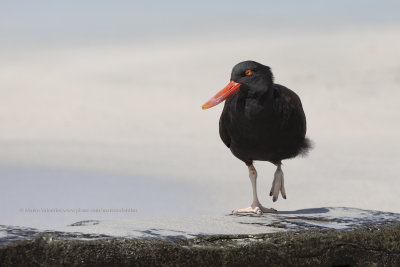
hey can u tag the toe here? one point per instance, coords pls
(282, 189)
(258, 211)
(267, 210)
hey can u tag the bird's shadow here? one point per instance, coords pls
(305, 211)
(288, 212)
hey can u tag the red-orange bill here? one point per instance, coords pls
(228, 90)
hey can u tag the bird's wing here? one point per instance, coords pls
(288, 105)
(223, 133)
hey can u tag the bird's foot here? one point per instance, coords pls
(256, 209)
(278, 185)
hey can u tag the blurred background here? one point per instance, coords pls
(100, 105)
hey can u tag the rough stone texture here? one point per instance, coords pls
(377, 245)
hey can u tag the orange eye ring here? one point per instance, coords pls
(248, 72)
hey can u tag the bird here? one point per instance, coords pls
(261, 121)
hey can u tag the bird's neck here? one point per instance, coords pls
(261, 92)
(255, 103)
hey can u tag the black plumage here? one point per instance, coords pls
(263, 121)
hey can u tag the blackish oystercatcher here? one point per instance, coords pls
(261, 120)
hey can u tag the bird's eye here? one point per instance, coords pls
(248, 72)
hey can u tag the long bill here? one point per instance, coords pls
(228, 90)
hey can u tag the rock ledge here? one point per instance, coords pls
(373, 245)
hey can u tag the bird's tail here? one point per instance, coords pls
(305, 147)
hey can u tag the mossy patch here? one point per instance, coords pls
(367, 246)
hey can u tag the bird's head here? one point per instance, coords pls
(246, 75)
